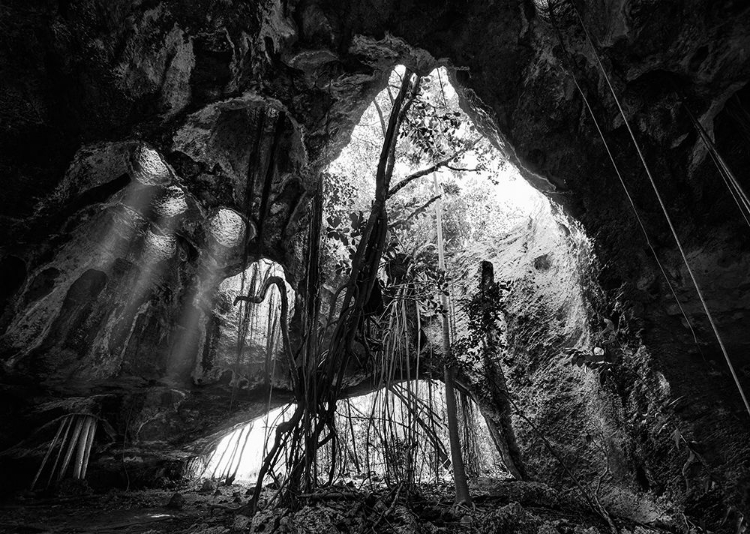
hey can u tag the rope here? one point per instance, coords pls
(668, 218)
(635, 212)
(738, 194)
(629, 196)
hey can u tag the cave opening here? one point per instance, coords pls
(380, 439)
(256, 333)
(456, 204)
(246, 337)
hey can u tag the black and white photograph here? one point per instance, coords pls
(375, 266)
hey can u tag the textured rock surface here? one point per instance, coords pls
(233, 105)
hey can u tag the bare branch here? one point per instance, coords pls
(424, 172)
(461, 169)
(417, 211)
(380, 114)
(409, 100)
(382, 178)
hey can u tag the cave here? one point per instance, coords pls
(177, 261)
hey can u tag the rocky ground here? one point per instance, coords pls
(195, 507)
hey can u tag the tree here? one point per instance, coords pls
(436, 137)
(491, 298)
(316, 374)
(413, 135)
(459, 472)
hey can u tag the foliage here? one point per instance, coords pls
(433, 129)
(484, 311)
(345, 231)
(436, 128)
(434, 133)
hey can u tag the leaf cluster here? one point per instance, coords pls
(436, 130)
(347, 232)
(484, 311)
(419, 273)
(432, 132)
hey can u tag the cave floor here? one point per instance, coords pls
(499, 506)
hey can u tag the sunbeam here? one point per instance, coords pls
(226, 231)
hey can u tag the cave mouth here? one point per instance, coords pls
(483, 194)
(446, 174)
(474, 200)
(225, 349)
(380, 436)
(471, 204)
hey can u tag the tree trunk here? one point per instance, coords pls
(502, 433)
(459, 472)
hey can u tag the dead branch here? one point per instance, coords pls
(442, 163)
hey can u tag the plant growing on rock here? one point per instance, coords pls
(480, 349)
